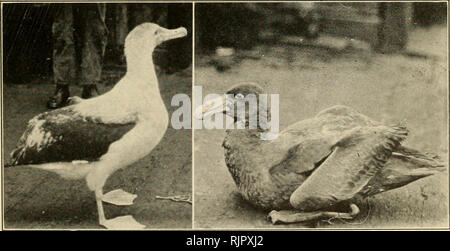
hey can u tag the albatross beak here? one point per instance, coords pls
(168, 34)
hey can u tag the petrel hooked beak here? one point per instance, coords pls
(220, 104)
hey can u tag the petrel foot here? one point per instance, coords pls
(119, 197)
(292, 216)
(122, 222)
(177, 198)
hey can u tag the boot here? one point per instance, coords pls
(59, 98)
(89, 91)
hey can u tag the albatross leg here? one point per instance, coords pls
(119, 197)
(292, 216)
(121, 222)
(101, 212)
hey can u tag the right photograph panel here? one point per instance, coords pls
(321, 115)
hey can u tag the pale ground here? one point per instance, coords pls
(388, 88)
(38, 199)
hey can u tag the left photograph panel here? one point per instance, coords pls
(87, 97)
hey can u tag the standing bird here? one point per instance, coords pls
(316, 163)
(93, 138)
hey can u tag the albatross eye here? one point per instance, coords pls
(156, 32)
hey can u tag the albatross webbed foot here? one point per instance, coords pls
(119, 197)
(122, 222)
(291, 216)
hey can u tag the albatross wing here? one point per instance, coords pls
(65, 135)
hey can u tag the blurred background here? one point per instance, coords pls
(387, 60)
(383, 25)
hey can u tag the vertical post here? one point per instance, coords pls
(392, 32)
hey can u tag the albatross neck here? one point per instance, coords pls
(141, 70)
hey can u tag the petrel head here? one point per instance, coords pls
(236, 96)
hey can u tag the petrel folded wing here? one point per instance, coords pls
(354, 161)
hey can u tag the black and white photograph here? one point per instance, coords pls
(356, 99)
(87, 90)
(197, 119)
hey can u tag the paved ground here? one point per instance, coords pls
(387, 88)
(38, 199)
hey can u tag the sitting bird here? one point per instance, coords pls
(314, 164)
(92, 138)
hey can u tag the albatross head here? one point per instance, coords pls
(143, 39)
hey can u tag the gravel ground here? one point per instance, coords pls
(38, 199)
(388, 88)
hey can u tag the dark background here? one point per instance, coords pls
(240, 25)
(27, 38)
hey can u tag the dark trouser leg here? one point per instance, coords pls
(64, 55)
(94, 38)
(121, 30)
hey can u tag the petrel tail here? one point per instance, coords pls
(405, 166)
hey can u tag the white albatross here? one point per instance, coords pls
(93, 138)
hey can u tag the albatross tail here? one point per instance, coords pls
(68, 170)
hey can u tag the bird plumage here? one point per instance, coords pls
(335, 156)
(93, 138)
(64, 135)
